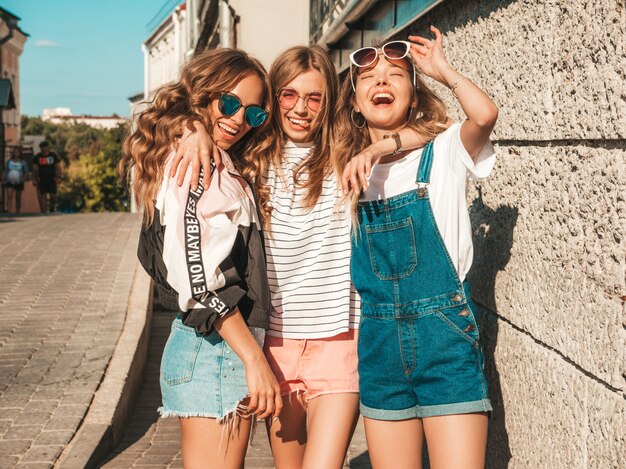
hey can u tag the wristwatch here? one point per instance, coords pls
(396, 137)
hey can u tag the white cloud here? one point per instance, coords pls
(46, 43)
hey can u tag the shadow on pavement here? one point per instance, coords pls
(362, 461)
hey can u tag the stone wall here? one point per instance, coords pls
(549, 267)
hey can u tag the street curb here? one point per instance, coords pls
(112, 405)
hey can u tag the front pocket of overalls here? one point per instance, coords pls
(392, 249)
(462, 321)
(180, 354)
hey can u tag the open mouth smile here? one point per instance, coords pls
(383, 98)
(299, 122)
(227, 129)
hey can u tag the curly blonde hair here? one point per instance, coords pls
(428, 118)
(177, 106)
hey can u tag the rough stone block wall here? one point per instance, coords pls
(549, 267)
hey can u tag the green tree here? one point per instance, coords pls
(91, 156)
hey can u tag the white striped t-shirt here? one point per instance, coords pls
(308, 257)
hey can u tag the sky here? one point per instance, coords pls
(82, 54)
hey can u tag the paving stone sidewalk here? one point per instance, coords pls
(152, 443)
(64, 287)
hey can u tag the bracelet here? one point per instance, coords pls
(456, 83)
(396, 138)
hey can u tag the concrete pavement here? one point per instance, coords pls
(64, 288)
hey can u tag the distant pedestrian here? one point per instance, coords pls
(15, 173)
(47, 171)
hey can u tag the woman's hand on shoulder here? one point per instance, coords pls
(195, 148)
(357, 171)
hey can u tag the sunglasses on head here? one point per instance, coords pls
(366, 56)
(288, 99)
(229, 105)
(394, 50)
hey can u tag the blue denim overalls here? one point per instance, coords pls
(419, 353)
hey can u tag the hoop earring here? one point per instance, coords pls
(412, 108)
(353, 121)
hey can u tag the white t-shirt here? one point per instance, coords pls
(308, 257)
(451, 167)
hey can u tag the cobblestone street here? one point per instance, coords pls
(64, 287)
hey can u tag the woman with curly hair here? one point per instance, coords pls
(204, 250)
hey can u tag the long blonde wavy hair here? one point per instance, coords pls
(428, 117)
(318, 164)
(177, 106)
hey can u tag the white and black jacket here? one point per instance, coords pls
(205, 249)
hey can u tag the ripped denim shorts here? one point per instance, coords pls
(201, 376)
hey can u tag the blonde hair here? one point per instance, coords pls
(428, 118)
(180, 104)
(318, 164)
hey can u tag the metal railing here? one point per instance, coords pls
(322, 15)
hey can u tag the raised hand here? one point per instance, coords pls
(480, 110)
(428, 55)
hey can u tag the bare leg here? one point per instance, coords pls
(456, 441)
(395, 444)
(288, 434)
(10, 192)
(207, 444)
(18, 201)
(53, 202)
(332, 419)
(43, 202)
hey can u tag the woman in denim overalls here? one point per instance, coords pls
(420, 360)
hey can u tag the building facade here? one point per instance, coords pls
(165, 51)
(65, 116)
(263, 29)
(12, 41)
(549, 265)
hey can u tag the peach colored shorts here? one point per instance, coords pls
(314, 367)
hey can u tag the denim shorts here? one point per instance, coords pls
(201, 376)
(421, 365)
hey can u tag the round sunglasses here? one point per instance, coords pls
(288, 99)
(394, 50)
(229, 105)
(366, 56)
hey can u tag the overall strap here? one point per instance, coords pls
(426, 163)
